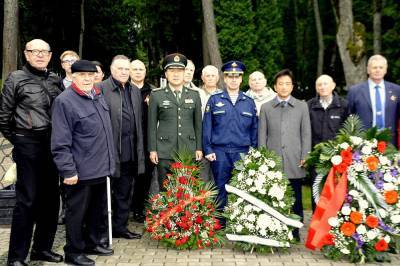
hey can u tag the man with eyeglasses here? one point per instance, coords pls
(284, 127)
(229, 127)
(25, 120)
(67, 59)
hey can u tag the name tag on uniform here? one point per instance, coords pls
(335, 117)
(166, 102)
(247, 114)
(219, 104)
(189, 101)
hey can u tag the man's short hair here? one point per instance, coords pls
(119, 57)
(284, 72)
(256, 72)
(69, 52)
(377, 57)
(210, 68)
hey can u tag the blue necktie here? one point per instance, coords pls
(378, 108)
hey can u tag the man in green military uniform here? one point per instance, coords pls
(174, 118)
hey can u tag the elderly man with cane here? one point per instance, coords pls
(83, 149)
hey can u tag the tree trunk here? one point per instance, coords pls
(206, 52)
(351, 42)
(211, 33)
(320, 36)
(378, 6)
(10, 37)
(82, 32)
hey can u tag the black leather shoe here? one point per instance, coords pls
(47, 255)
(127, 235)
(99, 251)
(78, 259)
(17, 263)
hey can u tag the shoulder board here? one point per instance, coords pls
(157, 89)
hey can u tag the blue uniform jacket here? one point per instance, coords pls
(228, 127)
(81, 140)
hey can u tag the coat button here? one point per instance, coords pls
(179, 125)
(179, 117)
(179, 109)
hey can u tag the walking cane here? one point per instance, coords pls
(109, 212)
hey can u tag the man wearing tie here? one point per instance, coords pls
(174, 118)
(376, 101)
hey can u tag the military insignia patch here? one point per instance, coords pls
(166, 102)
(234, 64)
(189, 101)
(207, 109)
(219, 104)
(176, 58)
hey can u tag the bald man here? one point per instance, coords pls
(259, 90)
(141, 186)
(25, 105)
(328, 111)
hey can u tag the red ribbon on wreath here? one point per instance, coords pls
(331, 200)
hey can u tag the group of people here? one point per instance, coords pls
(82, 129)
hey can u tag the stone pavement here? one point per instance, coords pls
(145, 252)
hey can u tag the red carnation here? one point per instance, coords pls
(381, 245)
(182, 180)
(199, 220)
(347, 156)
(381, 147)
(177, 165)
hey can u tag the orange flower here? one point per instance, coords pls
(372, 163)
(356, 217)
(381, 245)
(348, 228)
(391, 197)
(372, 221)
(381, 147)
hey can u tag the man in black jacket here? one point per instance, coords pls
(328, 111)
(143, 182)
(25, 105)
(125, 106)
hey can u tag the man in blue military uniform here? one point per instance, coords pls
(229, 127)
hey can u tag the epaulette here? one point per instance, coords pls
(157, 89)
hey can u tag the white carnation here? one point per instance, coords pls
(263, 168)
(372, 234)
(355, 140)
(252, 172)
(382, 213)
(251, 218)
(336, 160)
(361, 229)
(264, 221)
(249, 181)
(239, 228)
(333, 221)
(344, 145)
(346, 210)
(247, 208)
(257, 154)
(395, 219)
(271, 164)
(388, 177)
(276, 191)
(384, 160)
(353, 193)
(345, 251)
(359, 167)
(389, 186)
(387, 239)
(366, 149)
(363, 204)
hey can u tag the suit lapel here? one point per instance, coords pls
(366, 95)
(388, 102)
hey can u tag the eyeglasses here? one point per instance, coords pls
(37, 52)
(71, 61)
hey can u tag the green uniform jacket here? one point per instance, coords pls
(172, 126)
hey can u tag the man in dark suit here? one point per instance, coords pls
(376, 101)
(125, 106)
(174, 118)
